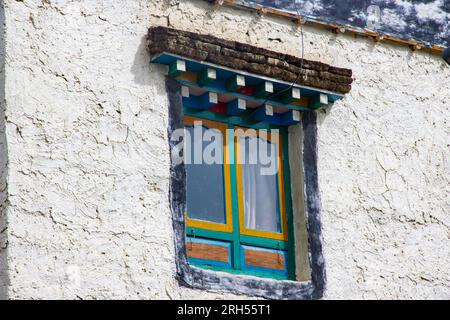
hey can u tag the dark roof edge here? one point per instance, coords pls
(334, 27)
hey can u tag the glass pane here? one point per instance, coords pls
(205, 182)
(261, 205)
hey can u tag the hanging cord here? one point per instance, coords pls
(301, 63)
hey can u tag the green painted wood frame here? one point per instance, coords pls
(235, 237)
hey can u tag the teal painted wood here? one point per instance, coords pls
(244, 239)
(318, 101)
(211, 234)
(203, 102)
(263, 242)
(288, 204)
(235, 82)
(234, 203)
(224, 73)
(205, 76)
(289, 118)
(289, 96)
(215, 87)
(255, 273)
(176, 68)
(264, 90)
(264, 115)
(236, 107)
(243, 120)
(205, 262)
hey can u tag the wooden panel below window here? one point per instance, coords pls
(255, 258)
(208, 251)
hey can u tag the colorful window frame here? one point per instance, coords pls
(283, 235)
(236, 238)
(228, 226)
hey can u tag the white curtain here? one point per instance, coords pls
(260, 191)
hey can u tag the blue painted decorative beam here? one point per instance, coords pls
(264, 89)
(216, 87)
(289, 95)
(204, 101)
(318, 101)
(206, 76)
(176, 68)
(236, 107)
(228, 81)
(289, 118)
(235, 82)
(264, 114)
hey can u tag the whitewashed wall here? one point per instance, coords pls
(88, 212)
(3, 161)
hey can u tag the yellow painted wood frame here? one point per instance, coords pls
(246, 132)
(228, 226)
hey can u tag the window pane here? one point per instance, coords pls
(205, 182)
(261, 205)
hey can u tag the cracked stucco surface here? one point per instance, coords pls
(88, 175)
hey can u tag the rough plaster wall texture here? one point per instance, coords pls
(3, 161)
(89, 165)
(88, 175)
(384, 172)
(383, 156)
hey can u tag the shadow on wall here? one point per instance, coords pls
(141, 64)
(4, 277)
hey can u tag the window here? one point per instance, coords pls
(207, 184)
(237, 211)
(228, 215)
